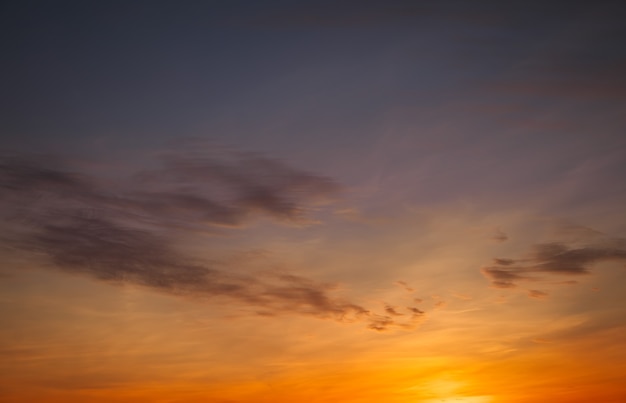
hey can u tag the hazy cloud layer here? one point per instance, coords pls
(554, 258)
(122, 231)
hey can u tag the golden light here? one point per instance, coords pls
(461, 399)
(447, 390)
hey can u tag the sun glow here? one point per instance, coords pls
(448, 390)
(460, 399)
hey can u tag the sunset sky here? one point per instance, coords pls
(352, 201)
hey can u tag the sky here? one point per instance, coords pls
(313, 201)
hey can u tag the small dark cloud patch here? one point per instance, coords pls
(505, 277)
(537, 294)
(415, 311)
(392, 311)
(381, 323)
(555, 258)
(405, 286)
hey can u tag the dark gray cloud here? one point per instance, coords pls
(554, 258)
(125, 232)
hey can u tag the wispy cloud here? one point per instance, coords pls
(538, 294)
(125, 232)
(407, 318)
(554, 258)
(235, 186)
(221, 189)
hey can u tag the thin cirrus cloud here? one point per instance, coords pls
(553, 258)
(123, 232)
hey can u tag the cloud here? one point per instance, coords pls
(503, 262)
(392, 311)
(108, 251)
(554, 258)
(128, 232)
(380, 323)
(240, 185)
(404, 286)
(504, 277)
(386, 322)
(214, 189)
(538, 294)
(499, 236)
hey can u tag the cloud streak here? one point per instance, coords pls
(124, 233)
(554, 258)
(218, 189)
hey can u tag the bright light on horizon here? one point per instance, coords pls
(461, 399)
(447, 390)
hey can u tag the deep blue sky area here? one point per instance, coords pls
(154, 70)
(324, 84)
